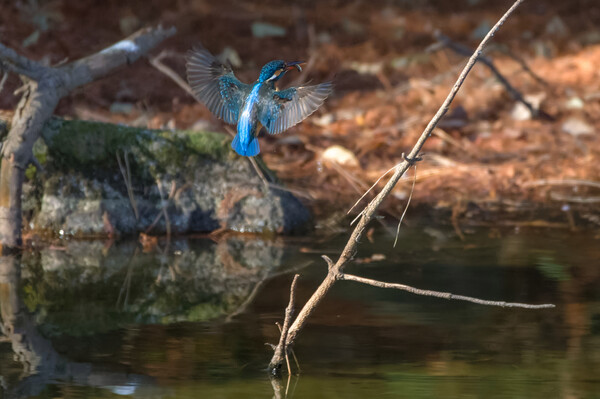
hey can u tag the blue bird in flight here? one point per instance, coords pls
(247, 105)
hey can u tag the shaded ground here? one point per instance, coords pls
(486, 156)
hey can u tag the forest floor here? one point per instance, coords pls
(488, 160)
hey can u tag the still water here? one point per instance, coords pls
(106, 320)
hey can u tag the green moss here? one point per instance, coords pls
(209, 143)
(30, 172)
(40, 151)
(92, 146)
(205, 311)
(84, 143)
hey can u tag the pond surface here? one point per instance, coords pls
(102, 320)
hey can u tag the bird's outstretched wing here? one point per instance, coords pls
(215, 85)
(290, 106)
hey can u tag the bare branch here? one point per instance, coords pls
(439, 294)
(10, 60)
(412, 189)
(3, 80)
(579, 200)
(505, 50)
(259, 172)
(281, 349)
(156, 62)
(371, 209)
(126, 172)
(515, 94)
(562, 182)
(327, 259)
(369, 190)
(126, 51)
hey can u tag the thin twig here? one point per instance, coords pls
(125, 287)
(562, 182)
(259, 172)
(156, 62)
(449, 139)
(10, 60)
(357, 217)
(515, 94)
(354, 181)
(365, 194)
(287, 386)
(578, 200)
(250, 298)
(252, 161)
(505, 50)
(313, 58)
(126, 172)
(162, 211)
(412, 189)
(296, 359)
(3, 80)
(287, 359)
(294, 191)
(164, 207)
(281, 349)
(443, 295)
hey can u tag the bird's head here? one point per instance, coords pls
(274, 70)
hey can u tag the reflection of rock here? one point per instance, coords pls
(84, 190)
(41, 364)
(75, 289)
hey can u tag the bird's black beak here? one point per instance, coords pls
(294, 64)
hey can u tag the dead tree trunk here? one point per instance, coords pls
(42, 89)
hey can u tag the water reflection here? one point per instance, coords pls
(89, 287)
(40, 362)
(192, 321)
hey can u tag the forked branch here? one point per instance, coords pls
(335, 271)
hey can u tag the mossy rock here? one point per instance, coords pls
(106, 179)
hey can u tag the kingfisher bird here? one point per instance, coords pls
(247, 105)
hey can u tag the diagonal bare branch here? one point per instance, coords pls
(157, 63)
(11, 61)
(514, 93)
(370, 210)
(124, 52)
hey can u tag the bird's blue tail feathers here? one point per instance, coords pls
(250, 149)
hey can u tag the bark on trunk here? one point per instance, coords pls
(35, 108)
(11, 176)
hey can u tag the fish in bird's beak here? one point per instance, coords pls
(294, 64)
